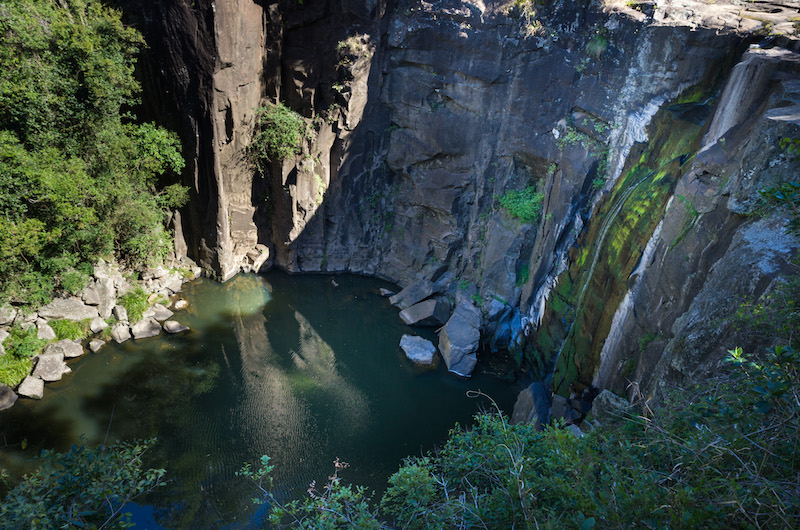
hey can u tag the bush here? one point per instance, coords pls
(68, 329)
(135, 303)
(23, 343)
(280, 133)
(14, 369)
(525, 205)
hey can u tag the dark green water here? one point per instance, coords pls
(288, 366)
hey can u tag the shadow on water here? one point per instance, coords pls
(288, 366)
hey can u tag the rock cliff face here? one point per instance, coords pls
(426, 114)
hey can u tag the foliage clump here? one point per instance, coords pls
(280, 133)
(135, 303)
(78, 175)
(525, 205)
(82, 488)
(69, 329)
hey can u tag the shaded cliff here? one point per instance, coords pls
(425, 115)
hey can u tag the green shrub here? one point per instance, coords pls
(280, 132)
(23, 343)
(525, 205)
(135, 303)
(13, 369)
(68, 329)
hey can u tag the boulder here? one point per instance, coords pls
(417, 349)
(121, 313)
(563, 409)
(108, 296)
(181, 304)
(31, 387)
(90, 295)
(44, 331)
(161, 313)
(172, 326)
(172, 283)
(146, 328)
(459, 338)
(96, 344)
(7, 315)
(533, 406)
(97, 325)
(120, 333)
(66, 348)
(427, 313)
(7, 397)
(385, 292)
(71, 308)
(50, 367)
(607, 406)
(414, 293)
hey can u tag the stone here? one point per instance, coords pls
(120, 333)
(44, 331)
(459, 338)
(31, 387)
(414, 293)
(97, 325)
(7, 397)
(7, 315)
(67, 348)
(108, 296)
(427, 313)
(90, 295)
(71, 308)
(96, 344)
(533, 406)
(121, 313)
(563, 409)
(171, 326)
(385, 292)
(173, 284)
(607, 406)
(161, 313)
(51, 367)
(181, 304)
(417, 349)
(3, 335)
(146, 328)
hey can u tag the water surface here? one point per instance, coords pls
(288, 366)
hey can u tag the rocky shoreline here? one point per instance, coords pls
(99, 305)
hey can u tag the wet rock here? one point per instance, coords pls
(458, 340)
(417, 349)
(96, 344)
(181, 304)
(171, 326)
(121, 313)
(7, 397)
(146, 328)
(120, 333)
(97, 325)
(66, 348)
(414, 293)
(386, 292)
(31, 387)
(533, 406)
(161, 313)
(44, 331)
(427, 313)
(7, 315)
(51, 367)
(71, 308)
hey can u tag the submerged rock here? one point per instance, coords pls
(458, 340)
(171, 326)
(417, 349)
(7, 397)
(181, 304)
(31, 387)
(146, 328)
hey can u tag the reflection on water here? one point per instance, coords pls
(281, 365)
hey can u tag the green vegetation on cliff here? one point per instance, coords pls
(78, 174)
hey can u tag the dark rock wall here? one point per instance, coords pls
(423, 115)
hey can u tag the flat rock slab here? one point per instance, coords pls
(7, 397)
(427, 313)
(161, 313)
(96, 344)
(31, 387)
(51, 367)
(67, 348)
(120, 333)
(417, 349)
(459, 338)
(172, 326)
(68, 308)
(145, 329)
(413, 294)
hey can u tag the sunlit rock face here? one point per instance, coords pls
(424, 115)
